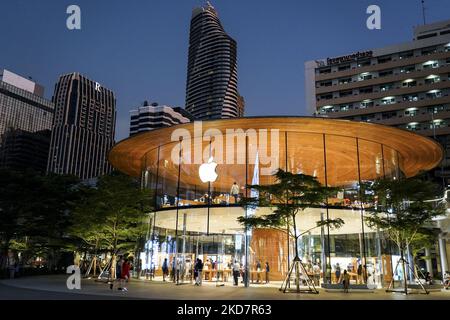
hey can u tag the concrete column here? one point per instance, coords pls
(443, 254)
(428, 261)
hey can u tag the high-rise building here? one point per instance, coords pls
(83, 127)
(211, 89)
(21, 150)
(405, 85)
(22, 104)
(154, 116)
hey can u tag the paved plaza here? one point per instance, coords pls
(54, 287)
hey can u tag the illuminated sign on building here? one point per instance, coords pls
(350, 57)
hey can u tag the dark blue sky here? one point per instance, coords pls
(139, 48)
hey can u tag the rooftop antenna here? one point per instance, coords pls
(423, 11)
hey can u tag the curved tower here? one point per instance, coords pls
(211, 89)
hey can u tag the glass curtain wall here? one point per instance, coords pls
(195, 219)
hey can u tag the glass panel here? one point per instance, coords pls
(305, 154)
(390, 162)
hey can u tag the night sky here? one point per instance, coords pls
(139, 48)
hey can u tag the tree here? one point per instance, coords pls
(34, 213)
(111, 217)
(289, 197)
(401, 208)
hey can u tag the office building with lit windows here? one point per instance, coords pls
(83, 127)
(406, 86)
(22, 104)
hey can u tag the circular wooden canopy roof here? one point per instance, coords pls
(415, 153)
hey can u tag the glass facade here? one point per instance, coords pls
(193, 219)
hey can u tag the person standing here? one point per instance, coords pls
(165, 269)
(199, 269)
(360, 274)
(337, 273)
(267, 271)
(316, 272)
(258, 271)
(346, 281)
(236, 272)
(126, 267)
(235, 191)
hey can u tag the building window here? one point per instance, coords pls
(366, 90)
(413, 126)
(388, 115)
(384, 59)
(388, 100)
(326, 96)
(386, 73)
(345, 93)
(365, 76)
(432, 79)
(408, 69)
(386, 87)
(435, 109)
(428, 51)
(326, 84)
(324, 71)
(409, 83)
(433, 94)
(406, 55)
(410, 97)
(366, 104)
(438, 123)
(344, 67)
(431, 64)
(363, 63)
(345, 80)
(345, 107)
(411, 112)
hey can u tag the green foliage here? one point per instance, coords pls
(112, 215)
(35, 211)
(289, 196)
(402, 209)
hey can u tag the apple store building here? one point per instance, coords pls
(198, 172)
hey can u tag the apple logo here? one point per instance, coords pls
(207, 171)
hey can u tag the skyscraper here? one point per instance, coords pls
(83, 127)
(22, 104)
(211, 89)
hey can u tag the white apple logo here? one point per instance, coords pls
(207, 171)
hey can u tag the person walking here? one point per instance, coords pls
(235, 191)
(346, 281)
(126, 268)
(198, 269)
(118, 273)
(236, 272)
(267, 271)
(165, 269)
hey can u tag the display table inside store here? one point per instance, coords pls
(211, 275)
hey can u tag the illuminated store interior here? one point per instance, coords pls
(196, 219)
